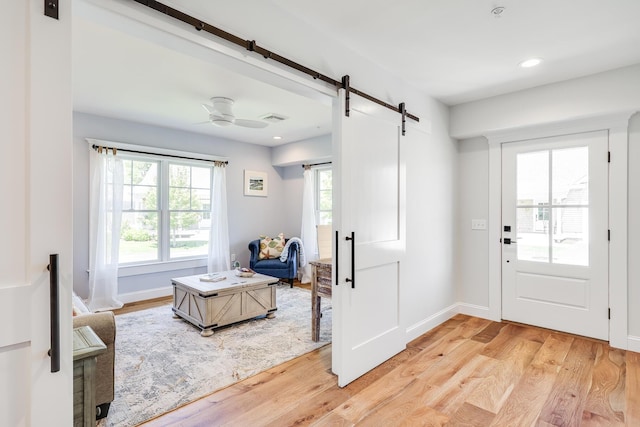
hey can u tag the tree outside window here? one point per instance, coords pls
(140, 212)
(189, 193)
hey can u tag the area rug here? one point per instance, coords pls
(163, 363)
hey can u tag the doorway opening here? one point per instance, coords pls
(151, 91)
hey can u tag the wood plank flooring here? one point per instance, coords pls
(143, 305)
(466, 372)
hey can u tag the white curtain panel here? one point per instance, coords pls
(308, 234)
(219, 258)
(104, 224)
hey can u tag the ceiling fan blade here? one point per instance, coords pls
(255, 124)
(209, 108)
(202, 123)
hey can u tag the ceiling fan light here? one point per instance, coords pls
(221, 122)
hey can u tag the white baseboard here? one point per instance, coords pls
(419, 328)
(633, 343)
(146, 294)
(423, 326)
(474, 310)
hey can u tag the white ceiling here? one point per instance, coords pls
(454, 50)
(120, 76)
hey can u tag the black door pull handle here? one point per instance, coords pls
(54, 312)
(353, 260)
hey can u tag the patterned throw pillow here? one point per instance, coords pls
(271, 247)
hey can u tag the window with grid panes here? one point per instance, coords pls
(166, 210)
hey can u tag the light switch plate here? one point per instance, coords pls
(478, 224)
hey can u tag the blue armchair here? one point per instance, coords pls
(273, 266)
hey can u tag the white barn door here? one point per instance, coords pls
(35, 186)
(369, 217)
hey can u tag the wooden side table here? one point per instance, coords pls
(86, 347)
(320, 287)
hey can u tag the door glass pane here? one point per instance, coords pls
(533, 178)
(570, 180)
(532, 234)
(571, 236)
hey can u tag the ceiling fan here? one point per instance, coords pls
(221, 114)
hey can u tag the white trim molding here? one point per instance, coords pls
(618, 224)
(494, 232)
(475, 311)
(633, 343)
(146, 294)
(564, 127)
(425, 325)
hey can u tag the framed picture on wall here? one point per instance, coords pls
(255, 183)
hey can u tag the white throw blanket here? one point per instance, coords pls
(302, 260)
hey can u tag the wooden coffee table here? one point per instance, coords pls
(210, 305)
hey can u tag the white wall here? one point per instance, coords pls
(598, 94)
(293, 185)
(473, 203)
(313, 150)
(428, 293)
(248, 216)
(609, 92)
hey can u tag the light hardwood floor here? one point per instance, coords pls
(466, 372)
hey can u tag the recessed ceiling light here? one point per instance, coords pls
(277, 137)
(530, 63)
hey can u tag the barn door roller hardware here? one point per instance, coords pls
(347, 96)
(403, 111)
(51, 8)
(252, 46)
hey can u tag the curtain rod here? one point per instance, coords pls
(316, 164)
(102, 147)
(252, 46)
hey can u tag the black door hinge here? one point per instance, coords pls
(609, 314)
(608, 156)
(609, 235)
(51, 8)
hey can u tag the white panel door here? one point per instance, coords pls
(369, 199)
(555, 244)
(35, 186)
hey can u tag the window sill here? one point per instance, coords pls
(159, 267)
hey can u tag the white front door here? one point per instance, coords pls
(554, 235)
(35, 186)
(369, 211)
